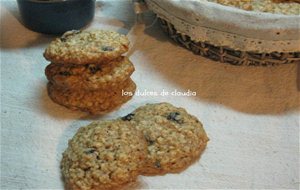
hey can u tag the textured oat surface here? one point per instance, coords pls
(93, 102)
(83, 47)
(103, 155)
(90, 76)
(175, 138)
(251, 114)
(271, 6)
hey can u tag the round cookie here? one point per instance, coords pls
(103, 155)
(83, 47)
(90, 76)
(93, 102)
(175, 138)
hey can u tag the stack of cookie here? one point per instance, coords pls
(88, 72)
(155, 139)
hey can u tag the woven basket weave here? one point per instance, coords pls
(228, 55)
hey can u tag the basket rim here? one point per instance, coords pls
(251, 24)
(226, 34)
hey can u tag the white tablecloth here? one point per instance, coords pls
(251, 114)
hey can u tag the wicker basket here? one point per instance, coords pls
(257, 44)
(227, 55)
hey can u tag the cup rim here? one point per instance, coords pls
(46, 1)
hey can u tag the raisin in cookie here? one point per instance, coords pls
(175, 138)
(83, 47)
(90, 76)
(93, 102)
(103, 155)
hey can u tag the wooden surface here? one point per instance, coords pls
(251, 114)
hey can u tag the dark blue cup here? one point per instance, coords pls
(56, 16)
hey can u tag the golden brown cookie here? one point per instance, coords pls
(84, 47)
(90, 76)
(93, 102)
(175, 138)
(103, 155)
(286, 7)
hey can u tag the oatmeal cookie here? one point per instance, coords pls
(84, 47)
(175, 138)
(287, 7)
(93, 102)
(103, 155)
(90, 76)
